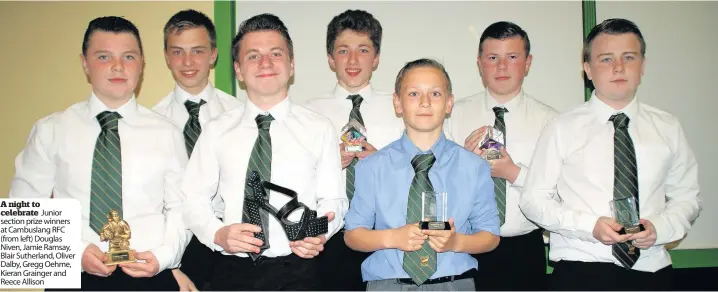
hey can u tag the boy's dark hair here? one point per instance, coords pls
(425, 63)
(261, 22)
(613, 26)
(112, 24)
(187, 19)
(357, 20)
(502, 30)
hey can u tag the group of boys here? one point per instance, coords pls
(177, 173)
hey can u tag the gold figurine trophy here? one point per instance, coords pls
(117, 232)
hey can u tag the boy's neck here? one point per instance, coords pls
(424, 140)
(267, 102)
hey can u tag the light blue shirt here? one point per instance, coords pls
(382, 192)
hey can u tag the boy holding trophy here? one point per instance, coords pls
(502, 124)
(97, 152)
(422, 204)
(364, 119)
(613, 152)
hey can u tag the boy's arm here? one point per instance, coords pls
(360, 234)
(359, 221)
(484, 219)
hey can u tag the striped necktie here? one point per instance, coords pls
(260, 160)
(625, 183)
(420, 264)
(192, 128)
(500, 183)
(106, 180)
(354, 114)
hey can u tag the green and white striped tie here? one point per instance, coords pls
(420, 264)
(192, 128)
(354, 114)
(625, 183)
(106, 181)
(500, 183)
(260, 160)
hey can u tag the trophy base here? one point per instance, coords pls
(435, 225)
(119, 257)
(354, 148)
(632, 229)
(491, 154)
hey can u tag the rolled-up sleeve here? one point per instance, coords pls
(362, 211)
(484, 214)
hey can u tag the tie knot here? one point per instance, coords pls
(108, 120)
(264, 121)
(423, 162)
(499, 111)
(619, 120)
(193, 107)
(356, 99)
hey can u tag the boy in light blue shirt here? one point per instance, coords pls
(386, 208)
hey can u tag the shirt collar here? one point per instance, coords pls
(279, 111)
(180, 95)
(604, 112)
(512, 105)
(342, 94)
(410, 150)
(96, 106)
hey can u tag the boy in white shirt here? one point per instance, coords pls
(97, 152)
(283, 143)
(613, 148)
(353, 48)
(191, 52)
(504, 61)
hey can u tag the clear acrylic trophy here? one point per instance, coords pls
(433, 211)
(353, 134)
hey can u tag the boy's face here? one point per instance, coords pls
(616, 66)
(190, 56)
(113, 64)
(503, 64)
(424, 99)
(263, 63)
(354, 59)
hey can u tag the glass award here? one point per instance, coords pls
(433, 211)
(353, 134)
(491, 143)
(117, 232)
(625, 212)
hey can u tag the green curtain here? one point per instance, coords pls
(589, 21)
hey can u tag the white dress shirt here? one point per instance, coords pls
(571, 182)
(305, 158)
(525, 119)
(58, 160)
(377, 110)
(217, 103)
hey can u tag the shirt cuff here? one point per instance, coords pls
(662, 228)
(83, 246)
(212, 229)
(165, 256)
(521, 178)
(585, 224)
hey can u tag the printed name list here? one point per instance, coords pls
(39, 242)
